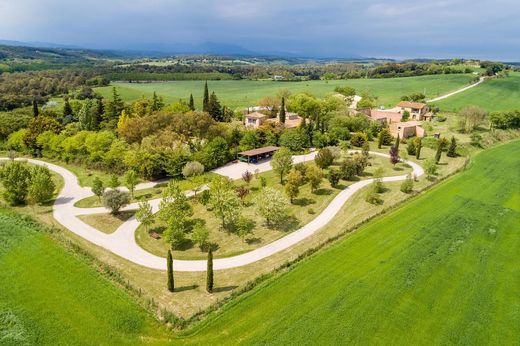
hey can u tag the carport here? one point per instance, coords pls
(254, 155)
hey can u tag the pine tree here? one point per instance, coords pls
(214, 108)
(169, 263)
(209, 273)
(67, 109)
(281, 116)
(418, 148)
(397, 142)
(36, 112)
(191, 104)
(452, 149)
(205, 100)
(113, 109)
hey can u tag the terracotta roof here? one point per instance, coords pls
(408, 104)
(256, 115)
(389, 116)
(259, 151)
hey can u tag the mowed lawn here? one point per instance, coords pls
(443, 269)
(49, 296)
(245, 93)
(493, 95)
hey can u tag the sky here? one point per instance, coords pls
(486, 29)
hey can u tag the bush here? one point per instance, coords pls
(407, 185)
(324, 158)
(16, 179)
(192, 168)
(334, 176)
(115, 200)
(358, 139)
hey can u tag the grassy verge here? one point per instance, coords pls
(106, 222)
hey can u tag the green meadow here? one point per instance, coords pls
(493, 95)
(49, 296)
(443, 269)
(243, 93)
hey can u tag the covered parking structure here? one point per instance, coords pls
(255, 155)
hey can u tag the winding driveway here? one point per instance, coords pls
(122, 242)
(481, 79)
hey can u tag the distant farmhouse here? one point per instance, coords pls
(256, 119)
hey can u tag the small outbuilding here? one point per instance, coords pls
(255, 155)
(407, 129)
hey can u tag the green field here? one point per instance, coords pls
(443, 269)
(245, 93)
(49, 296)
(493, 95)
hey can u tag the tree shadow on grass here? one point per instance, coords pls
(253, 241)
(302, 202)
(186, 288)
(290, 223)
(224, 289)
(323, 192)
(124, 215)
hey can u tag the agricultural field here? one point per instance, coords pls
(51, 296)
(493, 95)
(243, 93)
(446, 264)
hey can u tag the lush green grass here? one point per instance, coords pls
(49, 296)
(442, 269)
(493, 95)
(246, 92)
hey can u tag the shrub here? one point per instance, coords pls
(272, 206)
(358, 139)
(192, 169)
(407, 185)
(42, 186)
(324, 158)
(334, 176)
(115, 200)
(410, 147)
(348, 169)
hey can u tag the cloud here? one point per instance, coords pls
(326, 28)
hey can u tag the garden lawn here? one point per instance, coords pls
(51, 297)
(443, 269)
(493, 95)
(304, 209)
(245, 93)
(107, 222)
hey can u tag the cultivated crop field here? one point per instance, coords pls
(51, 296)
(243, 93)
(493, 95)
(442, 269)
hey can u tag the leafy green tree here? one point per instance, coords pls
(314, 176)
(85, 116)
(115, 200)
(36, 127)
(348, 169)
(42, 186)
(214, 154)
(405, 116)
(16, 179)
(145, 215)
(200, 235)
(209, 272)
(205, 99)
(169, 264)
(334, 176)
(294, 139)
(410, 147)
(175, 210)
(430, 167)
(324, 158)
(384, 138)
(157, 103)
(452, 149)
(281, 115)
(272, 205)
(292, 184)
(131, 180)
(191, 103)
(114, 181)
(97, 187)
(224, 202)
(282, 162)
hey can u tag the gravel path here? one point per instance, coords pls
(122, 242)
(482, 79)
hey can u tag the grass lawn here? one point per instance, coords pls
(492, 95)
(106, 222)
(51, 297)
(245, 93)
(442, 269)
(305, 208)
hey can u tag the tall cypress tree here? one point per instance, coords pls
(397, 142)
(452, 149)
(418, 148)
(191, 104)
(67, 109)
(36, 112)
(281, 115)
(205, 100)
(169, 263)
(209, 273)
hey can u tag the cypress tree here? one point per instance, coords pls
(191, 104)
(169, 263)
(397, 142)
(418, 149)
(209, 273)
(282, 112)
(205, 100)
(380, 140)
(213, 108)
(36, 112)
(67, 109)
(452, 149)
(438, 154)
